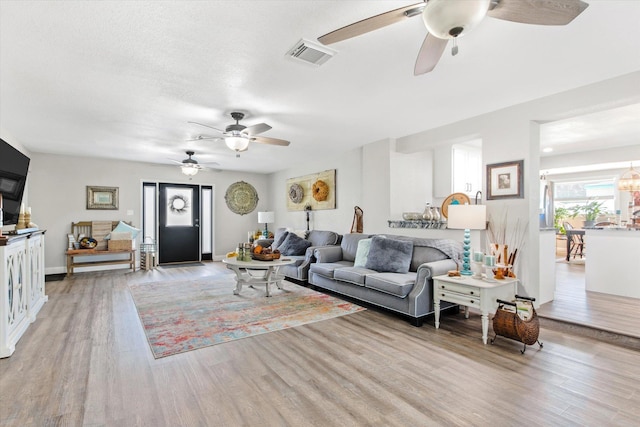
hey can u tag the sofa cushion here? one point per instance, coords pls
(294, 245)
(322, 238)
(355, 275)
(398, 284)
(349, 245)
(390, 255)
(327, 269)
(362, 253)
(298, 259)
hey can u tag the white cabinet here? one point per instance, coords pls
(467, 170)
(457, 169)
(21, 287)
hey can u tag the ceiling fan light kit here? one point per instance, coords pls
(237, 137)
(447, 19)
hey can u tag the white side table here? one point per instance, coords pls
(470, 292)
(257, 272)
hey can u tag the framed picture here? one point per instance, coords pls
(505, 180)
(102, 197)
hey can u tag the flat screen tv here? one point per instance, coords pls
(13, 176)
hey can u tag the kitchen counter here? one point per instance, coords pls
(611, 265)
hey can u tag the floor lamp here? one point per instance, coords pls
(467, 218)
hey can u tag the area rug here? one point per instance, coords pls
(181, 316)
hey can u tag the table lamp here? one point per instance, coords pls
(467, 217)
(266, 218)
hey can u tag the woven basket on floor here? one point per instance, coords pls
(508, 324)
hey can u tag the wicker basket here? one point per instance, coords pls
(509, 324)
(120, 245)
(265, 257)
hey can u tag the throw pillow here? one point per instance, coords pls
(294, 245)
(389, 255)
(280, 237)
(362, 253)
(123, 227)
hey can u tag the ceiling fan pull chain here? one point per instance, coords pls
(454, 49)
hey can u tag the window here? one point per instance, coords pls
(568, 194)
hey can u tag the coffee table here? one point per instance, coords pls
(257, 272)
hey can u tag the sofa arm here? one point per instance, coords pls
(421, 296)
(429, 270)
(328, 253)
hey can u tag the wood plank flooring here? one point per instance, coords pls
(86, 362)
(572, 303)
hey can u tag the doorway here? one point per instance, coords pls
(179, 219)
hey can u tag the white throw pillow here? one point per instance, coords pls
(362, 253)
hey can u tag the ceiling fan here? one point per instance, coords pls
(190, 166)
(450, 19)
(237, 136)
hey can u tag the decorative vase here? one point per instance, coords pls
(426, 215)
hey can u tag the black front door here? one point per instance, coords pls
(179, 223)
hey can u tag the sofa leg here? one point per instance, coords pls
(417, 321)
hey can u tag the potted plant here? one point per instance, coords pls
(591, 210)
(559, 215)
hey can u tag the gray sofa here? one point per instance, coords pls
(409, 293)
(302, 253)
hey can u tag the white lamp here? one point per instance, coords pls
(237, 143)
(266, 218)
(467, 217)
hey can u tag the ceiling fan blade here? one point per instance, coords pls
(429, 54)
(256, 129)
(207, 126)
(202, 138)
(539, 12)
(270, 141)
(176, 161)
(372, 23)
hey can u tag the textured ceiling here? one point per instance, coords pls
(121, 79)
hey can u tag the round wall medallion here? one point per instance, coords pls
(241, 198)
(453, 199)
(296, 193)
(320, 190)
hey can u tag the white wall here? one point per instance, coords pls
(58, 198)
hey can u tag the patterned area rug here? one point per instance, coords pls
(186, 315)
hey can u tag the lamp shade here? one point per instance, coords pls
(447, 19)
(463, 217)
(189, 169)
(237, 143)
(266, 217)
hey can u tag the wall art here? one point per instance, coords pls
(505, 180)
(317, 190)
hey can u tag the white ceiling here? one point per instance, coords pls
(121, 79)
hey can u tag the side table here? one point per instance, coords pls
(470, 292)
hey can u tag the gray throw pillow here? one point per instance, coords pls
(294, 245)
(279, 239)
(389, 255)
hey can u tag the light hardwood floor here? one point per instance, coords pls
(573, 303)
(85, 361)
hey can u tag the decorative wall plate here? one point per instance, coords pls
(296, 193)
(241, 198)
(453, 199)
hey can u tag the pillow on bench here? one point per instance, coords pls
(389, 255)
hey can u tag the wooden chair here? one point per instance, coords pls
(577, 246)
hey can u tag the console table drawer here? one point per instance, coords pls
(459, 288)
(458, 298)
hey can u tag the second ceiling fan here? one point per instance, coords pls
(237, 136)
(450, 19)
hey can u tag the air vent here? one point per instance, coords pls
(311, 53)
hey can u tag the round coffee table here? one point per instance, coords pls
(257, 272)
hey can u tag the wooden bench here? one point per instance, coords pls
(82, 257)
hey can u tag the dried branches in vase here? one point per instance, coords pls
(505, 242)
